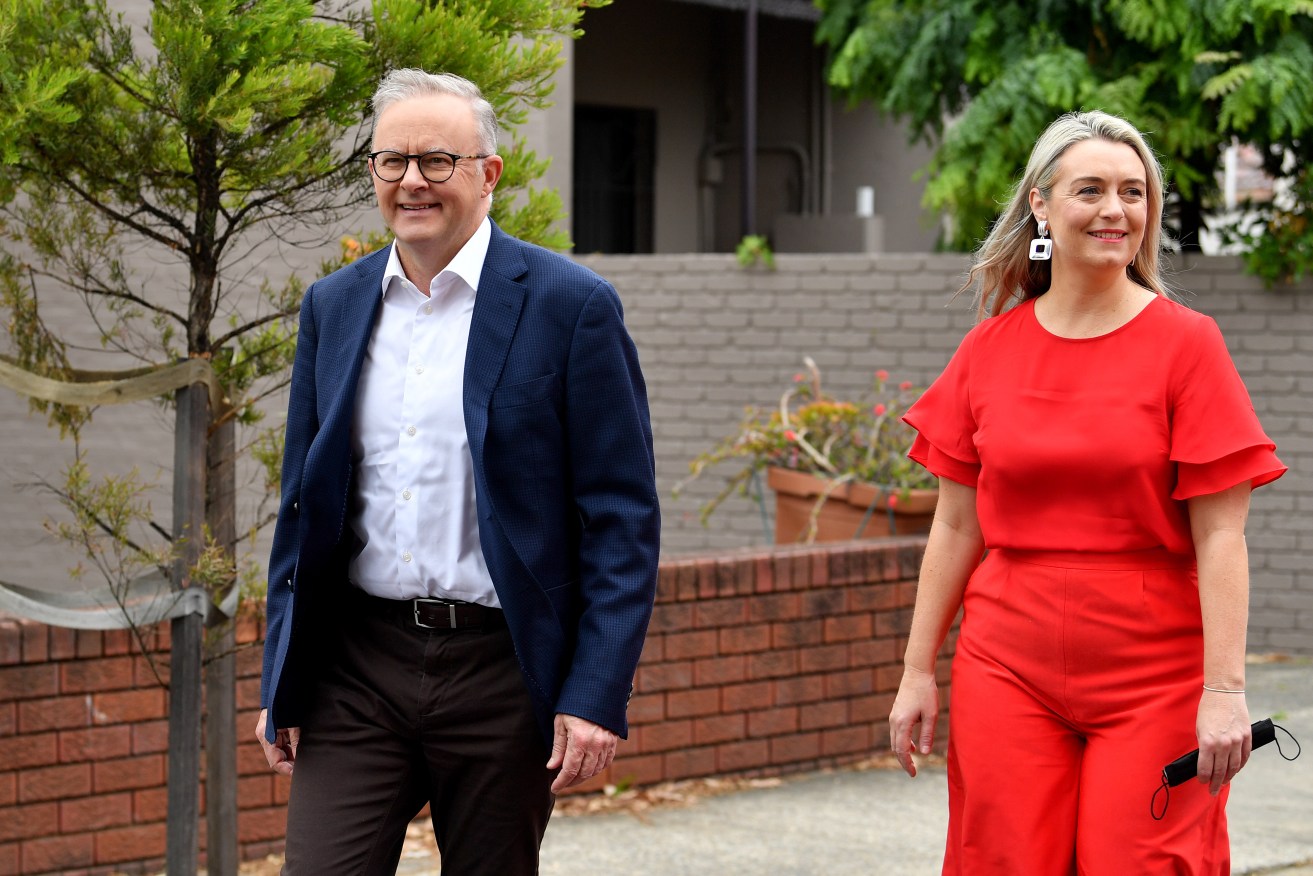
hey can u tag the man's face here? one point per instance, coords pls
(432, 221)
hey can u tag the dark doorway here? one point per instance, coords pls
(614, 160)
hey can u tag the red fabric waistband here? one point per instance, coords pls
(1154, 558)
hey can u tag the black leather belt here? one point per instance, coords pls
(439, 615)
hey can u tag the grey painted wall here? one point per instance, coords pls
(684, 62)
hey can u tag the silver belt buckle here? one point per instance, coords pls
(451, 612)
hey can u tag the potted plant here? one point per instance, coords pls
(839, 468)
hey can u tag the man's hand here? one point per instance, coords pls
(282, 754)
(580, 748)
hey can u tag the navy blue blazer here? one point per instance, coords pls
(557, 420)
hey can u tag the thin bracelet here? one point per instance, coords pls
(1223, 690)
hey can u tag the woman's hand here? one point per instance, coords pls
(1225, 738)
(916, 709)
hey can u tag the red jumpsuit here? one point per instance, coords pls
(1079, 663)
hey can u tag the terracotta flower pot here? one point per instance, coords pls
(841, 516)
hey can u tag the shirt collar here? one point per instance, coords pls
(466, 264)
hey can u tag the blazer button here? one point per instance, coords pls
(296, 506)
(289, 584)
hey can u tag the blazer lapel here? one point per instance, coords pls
(497, 308)
(346, 336)
(361, 311)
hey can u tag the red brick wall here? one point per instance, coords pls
(770, 661)
(767, 661)
(84, 751)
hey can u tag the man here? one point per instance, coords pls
(465, 558)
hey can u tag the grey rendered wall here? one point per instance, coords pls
(714, 337)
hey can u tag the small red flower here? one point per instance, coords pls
(893, 502)
(798, 378)
(790, 435)
(879, 410)
(905, 385)
(882, 375)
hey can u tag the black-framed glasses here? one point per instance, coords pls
(436, 166)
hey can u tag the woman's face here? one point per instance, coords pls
(1097, 208)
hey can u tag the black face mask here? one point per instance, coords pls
(1186, 766)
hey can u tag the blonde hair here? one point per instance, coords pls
(1003, 273)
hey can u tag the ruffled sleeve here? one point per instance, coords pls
(1217, 441)
(944, 422)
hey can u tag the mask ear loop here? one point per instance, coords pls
(1167, 798)
(1166, 791)
(1277, 739)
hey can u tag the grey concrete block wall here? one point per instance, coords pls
(1270, 335)
(714, 337)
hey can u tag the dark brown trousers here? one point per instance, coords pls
(405, 716)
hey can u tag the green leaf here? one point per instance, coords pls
(979, 80)
(141, 168)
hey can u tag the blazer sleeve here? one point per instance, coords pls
(614, 485)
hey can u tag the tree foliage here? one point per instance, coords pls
(980, 79)
(139, 171)
(142, 172)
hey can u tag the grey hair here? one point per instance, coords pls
(1003, 271)
(408, 82)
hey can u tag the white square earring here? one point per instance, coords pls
(1041, 248)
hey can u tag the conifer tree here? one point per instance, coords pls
(138, 171)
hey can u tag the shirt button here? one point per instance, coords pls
(405, 558)
(410, 430)
(419, 369)
(405, 494)
(428, 308)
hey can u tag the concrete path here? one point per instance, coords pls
(880, 822)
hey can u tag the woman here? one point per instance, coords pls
(1093, 436)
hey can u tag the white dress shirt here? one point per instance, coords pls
(413, 509)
